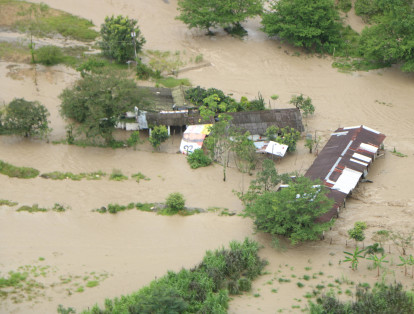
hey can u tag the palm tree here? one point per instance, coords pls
(353, 257)
(377, 261)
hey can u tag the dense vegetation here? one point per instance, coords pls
(206, 14)
(292, 211)
(96, 102)
(213, 101)
(203, 289)
(117, 40)
(25, 118)
(17, 172)
(382, 299)
(198, 159)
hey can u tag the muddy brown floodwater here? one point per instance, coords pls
(128, 250)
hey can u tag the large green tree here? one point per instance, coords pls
(291, 212)
(206, 14)
(97, 100)
(27, 118)
(121, 38)
(391, 39)
(312, 24)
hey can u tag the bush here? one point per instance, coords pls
(175, 202)
(49, 55)
(133, 139)
(17, 172)
(198, 159)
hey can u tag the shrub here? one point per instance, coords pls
(49, 55)
(17, 172)
(134, 139)
(198, 159)
(175, 202)
(117, 175)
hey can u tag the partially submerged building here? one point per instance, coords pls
(344, 161)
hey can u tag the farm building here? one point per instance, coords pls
(345, 159)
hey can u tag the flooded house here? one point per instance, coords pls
(344, 161)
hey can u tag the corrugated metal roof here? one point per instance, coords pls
(343, 160)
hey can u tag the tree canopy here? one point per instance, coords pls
(206, 14)
(158, 135)
(312, 24)
(292, 211)
(97, 100)
(117, 40)
(26, 118)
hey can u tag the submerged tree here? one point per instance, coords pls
(159, 134)
(292, 211)
(121, 38)
(26, 118)
(97, 100)
(314, 24)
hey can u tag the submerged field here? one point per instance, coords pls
(110, 255)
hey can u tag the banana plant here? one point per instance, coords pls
(354, 257)
(404, 262)
(377, 261)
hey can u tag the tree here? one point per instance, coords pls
(402, 241)
(266, 180)
(175, 202)
(303, 104)
(206, 14)
(26, 118)
(158, 135)
(357, 233)
(404, 262)
(219, 143)
(354, 257)
(198, 159)
(287, 136)
(97, 100)
(121, 38)
(292, 211)
(377, 261)
(312, 24)
(245, 152)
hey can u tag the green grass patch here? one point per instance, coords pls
(17, 172)
(57, 175)
(92, 283)
(117, 175)
(80, 289)
(139, 176)
(281, 280)
(7, 203)
(14, 52)
(171, 82)
(300, 285)
(31, 209)
(306, 277)
(145, 207)
(398, 154)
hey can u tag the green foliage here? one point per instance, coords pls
(357, 233)
(17, 172)
(367, 8)
(139, 176)
(345, 5)
(245, 152)
(57, 175)
(117, 175)
(314, 25)
(305, 105)
(92, 64)
(198, 159)
(144, 72)
(31, 209)
(398, 154)
(134, 139)
(374, 249)
(292, 211)
(287, 136)
(58, 208)
(159, 134)
(96, 102)
(382, 299)
(49, 55)
(117, 42)
(391, 39)
(171, 82)
(92, 283)
(26, 118)
(201, 290)
(266, 180)
(175, 202)
(7, 203)
(377, 261)
(206, 14)
(354, 257)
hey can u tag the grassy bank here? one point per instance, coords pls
(43, 21)
(17, 172)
